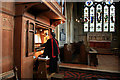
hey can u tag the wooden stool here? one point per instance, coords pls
(57, 77)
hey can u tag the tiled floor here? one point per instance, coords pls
(107, 63)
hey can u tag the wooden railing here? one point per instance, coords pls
(54, 4)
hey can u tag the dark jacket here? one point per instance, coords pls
(48, 48)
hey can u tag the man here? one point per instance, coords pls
(52, 50)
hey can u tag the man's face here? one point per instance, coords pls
(51, 36)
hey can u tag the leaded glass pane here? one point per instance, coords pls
(106, 19)
(99, 18)
(112, 18)
(86, 19)
(92, 18)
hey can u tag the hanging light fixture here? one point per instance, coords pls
(76, 19)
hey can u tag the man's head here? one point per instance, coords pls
(52, 34)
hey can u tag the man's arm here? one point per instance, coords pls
(43, 45)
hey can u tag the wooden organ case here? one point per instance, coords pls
(29, 19)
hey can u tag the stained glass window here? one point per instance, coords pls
(92, 16)
(112, 18)
(86, 19)
(109, 2)
(106, 18)
(99, 17)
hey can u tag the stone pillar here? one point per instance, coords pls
(69, 20)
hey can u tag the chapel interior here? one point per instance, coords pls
(88, 32)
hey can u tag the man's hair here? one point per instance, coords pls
(53, 34)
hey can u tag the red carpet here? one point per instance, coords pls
(70, 74)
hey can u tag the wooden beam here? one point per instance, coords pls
(53, 20)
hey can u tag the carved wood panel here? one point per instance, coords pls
(7, 50)
(7, 21)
